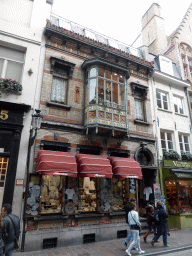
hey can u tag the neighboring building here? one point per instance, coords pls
(21, 62)
(171, 111)
(96, 140)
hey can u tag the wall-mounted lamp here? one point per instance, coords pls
(36, 124)
(30, 72)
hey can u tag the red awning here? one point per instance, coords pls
(56, 163)
(125, 168)
(93, 166)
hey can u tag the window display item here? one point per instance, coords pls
(70, 192)
(147, 191)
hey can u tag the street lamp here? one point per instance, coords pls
(35, 125)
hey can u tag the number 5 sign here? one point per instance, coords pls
(4, 114)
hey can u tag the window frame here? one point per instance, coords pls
(182, 103)
(162, 101)
(7, 60)
(166, 140)
(66, 90)
(183, 142)
(137, 99)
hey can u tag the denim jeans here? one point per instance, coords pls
(9, 249)
(136, 241)
(161, 230)
(129, 237)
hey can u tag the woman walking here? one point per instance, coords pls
(133, 218)
(150, 223)
(1, 240)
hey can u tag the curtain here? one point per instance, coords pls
(59, 90)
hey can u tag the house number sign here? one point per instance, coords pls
(4, 114)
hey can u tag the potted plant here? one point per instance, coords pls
(10, 86)
(186, 156)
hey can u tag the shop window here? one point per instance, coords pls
(178, 105)
(33, 195)
(185, 196)
(70, 195)
(184, 143)
(172, 197)
(120, 193)
(166, 140)
(11, 63)
(105, 195)
(162, 100)
(88, 194)
(51, 194)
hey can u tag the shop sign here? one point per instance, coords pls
(177, 163)
(166, 65)
(19, 182)
(11, 116)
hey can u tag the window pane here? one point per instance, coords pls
(101, 71)
(139, 109)
(181, 146)
(162, 135)
(101, 90)
(108, 91)
(114, 75)
(58, 90)
(176, 108)
(14, 71)
(170, 145)
(159, 103)
(163, 144)
(121, 95)
(1, 67)
(92, 91)
(185, 139)
(11, 54)
(158, 95)
(187, 148)
(165, 105)
(108, 73)
(115, 93)
(121, 78)
(180, 138)
(93, 72)
(169, 137)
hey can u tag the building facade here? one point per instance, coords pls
(95, 149)
(21, 58)
(171, 86)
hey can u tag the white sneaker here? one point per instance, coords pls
(128, 253)
(140, 252)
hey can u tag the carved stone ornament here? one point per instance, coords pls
(61, 67)
(139, 89)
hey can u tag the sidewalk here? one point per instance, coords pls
(178, 239)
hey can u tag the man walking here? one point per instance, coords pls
(128, 208)
(161, 225)
(10, 229)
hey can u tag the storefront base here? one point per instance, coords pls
(181, 221)
(73, 236)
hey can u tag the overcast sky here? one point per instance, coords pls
(120, 19)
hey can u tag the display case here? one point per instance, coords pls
(33, 195)
(120, 194)
(70, 195)
(172, 199)
(185, 196)
(51, 194)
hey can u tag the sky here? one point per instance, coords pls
(120, 19)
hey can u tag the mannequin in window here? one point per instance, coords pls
(147, 191)
(70, 192)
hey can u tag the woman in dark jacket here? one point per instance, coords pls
(1, 240)
(162, 225)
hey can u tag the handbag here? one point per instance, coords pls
(16, 246)
(138, 227)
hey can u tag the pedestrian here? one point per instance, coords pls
(150, 222)
(128, 208)
(161, 225)
(133, 218)
(1, 240)
(10, 229)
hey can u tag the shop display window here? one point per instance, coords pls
(33, 196)
(70, 195)
(105, 195)
(185, 196)
(120, 194)
(172, 198)
(51, 194)
(88, 194)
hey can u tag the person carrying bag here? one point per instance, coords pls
(135, 226)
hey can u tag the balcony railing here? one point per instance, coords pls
(76, 28)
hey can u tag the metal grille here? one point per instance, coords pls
(49, 243)
(89, 238)
(121, 233)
